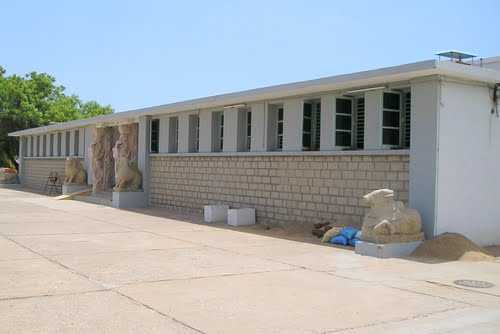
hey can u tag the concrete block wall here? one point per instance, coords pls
(283, 189)
(37, 170)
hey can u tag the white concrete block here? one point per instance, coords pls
(241, 217)
(215, 213)
(386, 250)
(129, 199)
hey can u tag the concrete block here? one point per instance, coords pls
(241, 217)
(129, 199)
(73, 188)
(215, 213)
(386, 250)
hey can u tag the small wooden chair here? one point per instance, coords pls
(52, 184)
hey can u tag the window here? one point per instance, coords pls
(343, 123)
(249, 130)
(68, 135)
(279, 132)
(391, 120)
(51, 145)
(76, 143)
(25, 146)
(194, 133)
(360, 123)
(407, 119)
(59, 143)
(44, 146)
(173, 134)
(155, 136)
(311, 128)
(218, 131)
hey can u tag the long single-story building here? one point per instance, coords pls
(306, 152)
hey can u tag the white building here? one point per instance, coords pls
(307, 151)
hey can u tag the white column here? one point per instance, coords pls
(72, 143)
(87, 162)
(293, 119)
(29, 153)
(163, 138)
(143, 152)
(205, 131)
(423, 151)
(81, 142)
(327, 141)
(230, 130)
(183, 133)
(258, 143)
(373, 120)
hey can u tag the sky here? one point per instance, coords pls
(133, 54)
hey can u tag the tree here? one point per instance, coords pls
(36, 100)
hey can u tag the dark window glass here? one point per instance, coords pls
(155, 133)
(343, 106)
(307, 124)
(307, 110)
(280, 114)
(59, 140)
(390, 137)
(391, 118)
(67, 143)
(51, 145)
(76, 142)
(342, 138)
(44, 147)
(391, 101)
(343, 122)
(280, 128)
(306, 140)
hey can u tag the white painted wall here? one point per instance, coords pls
(373, 119)
(163, 137)
(292, 123)
(87, 162)
(258, 143)
(468, 188)
(423, 150)
(183, 133)
(81, 142)
(327, 138)
(231, 129)
(205, 131)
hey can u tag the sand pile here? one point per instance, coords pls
(452, 247)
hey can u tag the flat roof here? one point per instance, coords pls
(363, 79)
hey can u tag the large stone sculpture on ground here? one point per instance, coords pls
(127, 174)
(388, 221)
(74, 173)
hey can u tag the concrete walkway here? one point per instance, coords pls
(72, 267)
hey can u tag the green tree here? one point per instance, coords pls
(36, 100)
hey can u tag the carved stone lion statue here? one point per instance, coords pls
(74, 172)
(128, 177)
(388, 221)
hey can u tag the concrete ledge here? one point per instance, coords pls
(129, 199)
(386, 250)
(73, 188)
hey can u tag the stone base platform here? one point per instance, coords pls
(386, 250)
(129, 199)
(73, 188)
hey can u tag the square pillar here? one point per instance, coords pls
(163, 137)
(183, 133)
(143, 152)
(72, 143)
(231, 130)
(29, 152)
(22, 153)
(293, 119)
(87, 162)
(373, 120)
(258, 141)
(205, 131)
(327, 140)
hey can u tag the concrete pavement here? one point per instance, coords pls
(67, 267)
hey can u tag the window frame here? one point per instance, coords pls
(280, 134)
(351, 131)
(382, 126)
(248, 123)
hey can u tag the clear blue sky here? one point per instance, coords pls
(132, 54)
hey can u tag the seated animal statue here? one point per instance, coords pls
(128, 177)
(74, 172)
(388, 221)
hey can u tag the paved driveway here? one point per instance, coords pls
(69, 267)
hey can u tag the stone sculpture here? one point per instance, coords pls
(8, 175)
(74, 173)
(127, 174)
(102, 159)
(388, 221)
